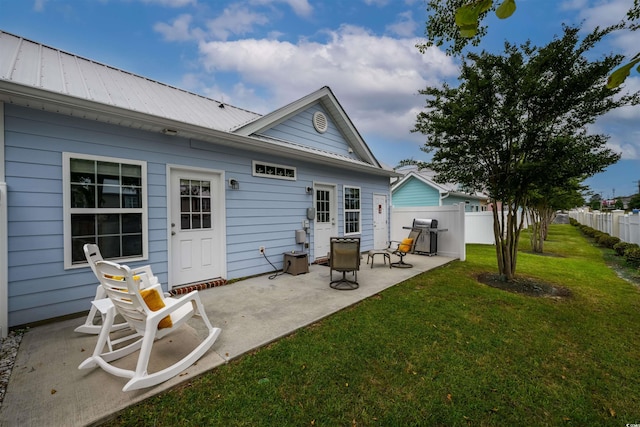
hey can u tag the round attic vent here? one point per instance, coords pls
(320, 122)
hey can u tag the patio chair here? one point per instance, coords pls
(92, 323)
(344, 257)
(151, 317)
(403, 248)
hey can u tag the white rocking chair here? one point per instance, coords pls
(91, 324)
(137, 307)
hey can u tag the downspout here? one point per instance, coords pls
(4, 250)
(444, 197)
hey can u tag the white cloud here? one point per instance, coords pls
(177, 31)
(38, 5)
(376, 2)
(172, 3)
(299, 7)
(626, 43)
(235, 20)
(404, 26)
(605, 13)
(574, 4)
(375, 78)
(622, 125)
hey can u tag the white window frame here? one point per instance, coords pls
(68, 210)
(276, 167)
(345, 210)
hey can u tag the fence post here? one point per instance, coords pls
(615, 222)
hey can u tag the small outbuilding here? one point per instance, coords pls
(419, 188)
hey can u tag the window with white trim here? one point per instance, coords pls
(351, 210)
(105, 204)
(271, 170)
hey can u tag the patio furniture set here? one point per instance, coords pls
(130, 303)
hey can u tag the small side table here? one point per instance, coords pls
(385, 256)
(295, 263)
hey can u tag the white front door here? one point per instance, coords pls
(380, 221)
(326, 224)
(197, 247)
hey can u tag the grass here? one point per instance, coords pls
(441, 349)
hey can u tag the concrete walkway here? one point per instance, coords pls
(47, 389)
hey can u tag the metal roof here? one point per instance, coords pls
(46, 78)
(31, 64)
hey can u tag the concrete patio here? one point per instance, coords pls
(47, 389)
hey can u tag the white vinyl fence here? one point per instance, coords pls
(615, 223)
(451, 243)
(478, 228)
(462, 227)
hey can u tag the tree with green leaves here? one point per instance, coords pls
(517, 123)
(543, 205)
(634, 202)
(457, 23)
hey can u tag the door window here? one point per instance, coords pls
(195, 204)
(323, 206)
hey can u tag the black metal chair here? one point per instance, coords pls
(406, 246)
(344, 257)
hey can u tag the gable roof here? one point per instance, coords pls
(37, 76)
(329, 102)
(427, 176)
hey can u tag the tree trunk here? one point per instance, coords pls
(537, 230)
(549, 216)
(506, 232)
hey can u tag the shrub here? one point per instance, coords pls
(588, 231)
(621, 247)
(608, 241)
(632, 255)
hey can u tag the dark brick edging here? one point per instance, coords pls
(182, 290)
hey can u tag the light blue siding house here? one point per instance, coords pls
(418, 188)
(157, 175)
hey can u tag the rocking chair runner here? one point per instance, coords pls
(151, 316)
(93, 255)
(344, 257)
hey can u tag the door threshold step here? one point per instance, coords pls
(198, 286)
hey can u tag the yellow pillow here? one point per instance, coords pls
(120, 278)
(154, 301)
(405, 245)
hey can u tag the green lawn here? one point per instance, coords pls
(441, 349)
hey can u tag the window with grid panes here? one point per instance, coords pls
(105, 205)
(351, 210)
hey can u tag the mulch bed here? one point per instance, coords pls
(525, 286)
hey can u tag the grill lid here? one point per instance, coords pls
(425, 223)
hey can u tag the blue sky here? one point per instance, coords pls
(263, 54)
